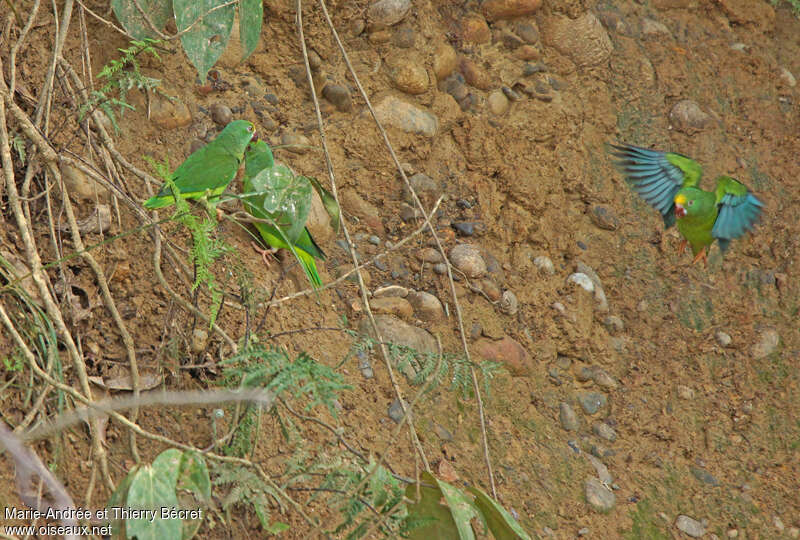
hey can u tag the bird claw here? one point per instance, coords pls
(702, 256)
(682, 247)
(264, 252)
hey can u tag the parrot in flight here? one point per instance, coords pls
(209, 169)
(257, 158)
(669, 182)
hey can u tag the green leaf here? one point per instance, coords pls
(502, 524)
(193, 477)
(329, 201)
(430, 507)
(286, 198)
(159, 12)
(153, 488)
(461, 506)
(209, 36)
(251, 13)
(118, 500)
(277, 528)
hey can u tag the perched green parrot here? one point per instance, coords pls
(210, 168)
(669, 182)
(257, 158)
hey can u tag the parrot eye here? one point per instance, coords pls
(690, 203)
(250, 129)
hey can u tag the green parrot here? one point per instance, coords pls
(669, 182)
(257, 158)
(210, 168)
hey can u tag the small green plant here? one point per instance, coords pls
(206, 247)
(421, 366)
(794, 4)
(248, 488)
(120, 76)
(13, 363)
(271, 368)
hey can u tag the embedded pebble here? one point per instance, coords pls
(475, 75)
(508, 303)
(602, 471)
(528, 52)
(408, 74)
(429, 255)
(390, 290)
(339, 96)
(544, 264)
(397, 331)
(469, 228)
(723, 339)
(199, 340)
(296, 143)
(603, 379)
(599, 496)
(495, 10)
(527, 32)
(404, 38)
(684, 392)
(409, 213)
(581, 280)
(468, 259)
(396, 411)
(455, 86)
(374, 240)
(592, 401)
(531, 69)
(474, 29)
(169, 114)
(394, 112)
(604, 431)
(567, 416)
(498, 103)
(704, 476)
(426, 306)
(788, 78)
(508, 352)
(221, 114)
(651, 27)
(688, 117)
(440, 268)
(613, 324)
(604, 218)
(768, 342)
(392, 305)
(583, 531)
(364, 366)
(491, 289)
(690, 526)
(583, 40)
(385, 13)
(445, 61)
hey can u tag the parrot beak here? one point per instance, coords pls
(680, 211)
(255, 136)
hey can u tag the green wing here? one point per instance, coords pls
(738, 210)
(656, 176)
(306, 249)
(210, 168)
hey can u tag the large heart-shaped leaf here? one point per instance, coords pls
(158, 11)
(209, 32)
(251, 13)
(153, 488)
(500, 522)
(329, 201)
(286, 199)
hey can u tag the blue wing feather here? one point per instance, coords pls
(651, 175)
(737, 215)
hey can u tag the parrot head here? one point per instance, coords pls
(692, 202)
(257, 157)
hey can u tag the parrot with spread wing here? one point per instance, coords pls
(258, 157)
(209, 169)
(669, 182)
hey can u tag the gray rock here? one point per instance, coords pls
(390, 290)
(604, 431)
(440, 268)
(396, 113)
(603, 379)
(426, 306)
(583, 39)
(532, 69)
(654, 28)
(602, 471)
(583, 532)
(427, 189)
(364, 365)
(498, 103)
(467, 258)
(684, 392)
(295, 142)
(221, 114)
(604, 217)
(567, 416)
(544, 264)
(199, 340)
(429, 255)
(613, 324)
(768, 342)
(688, 117)
(788, 78)
(400, 332)
(581, 280)
(723, 339)
(385, 13)
(408, 73)
(527, 32)
(339, 96)
(704, 476)
(396, 411)
(592, 401)
(690, 526)
(599, 496)
(508, 303)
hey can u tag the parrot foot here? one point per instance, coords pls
(702, 256)
(264, 252)
(682, 247)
